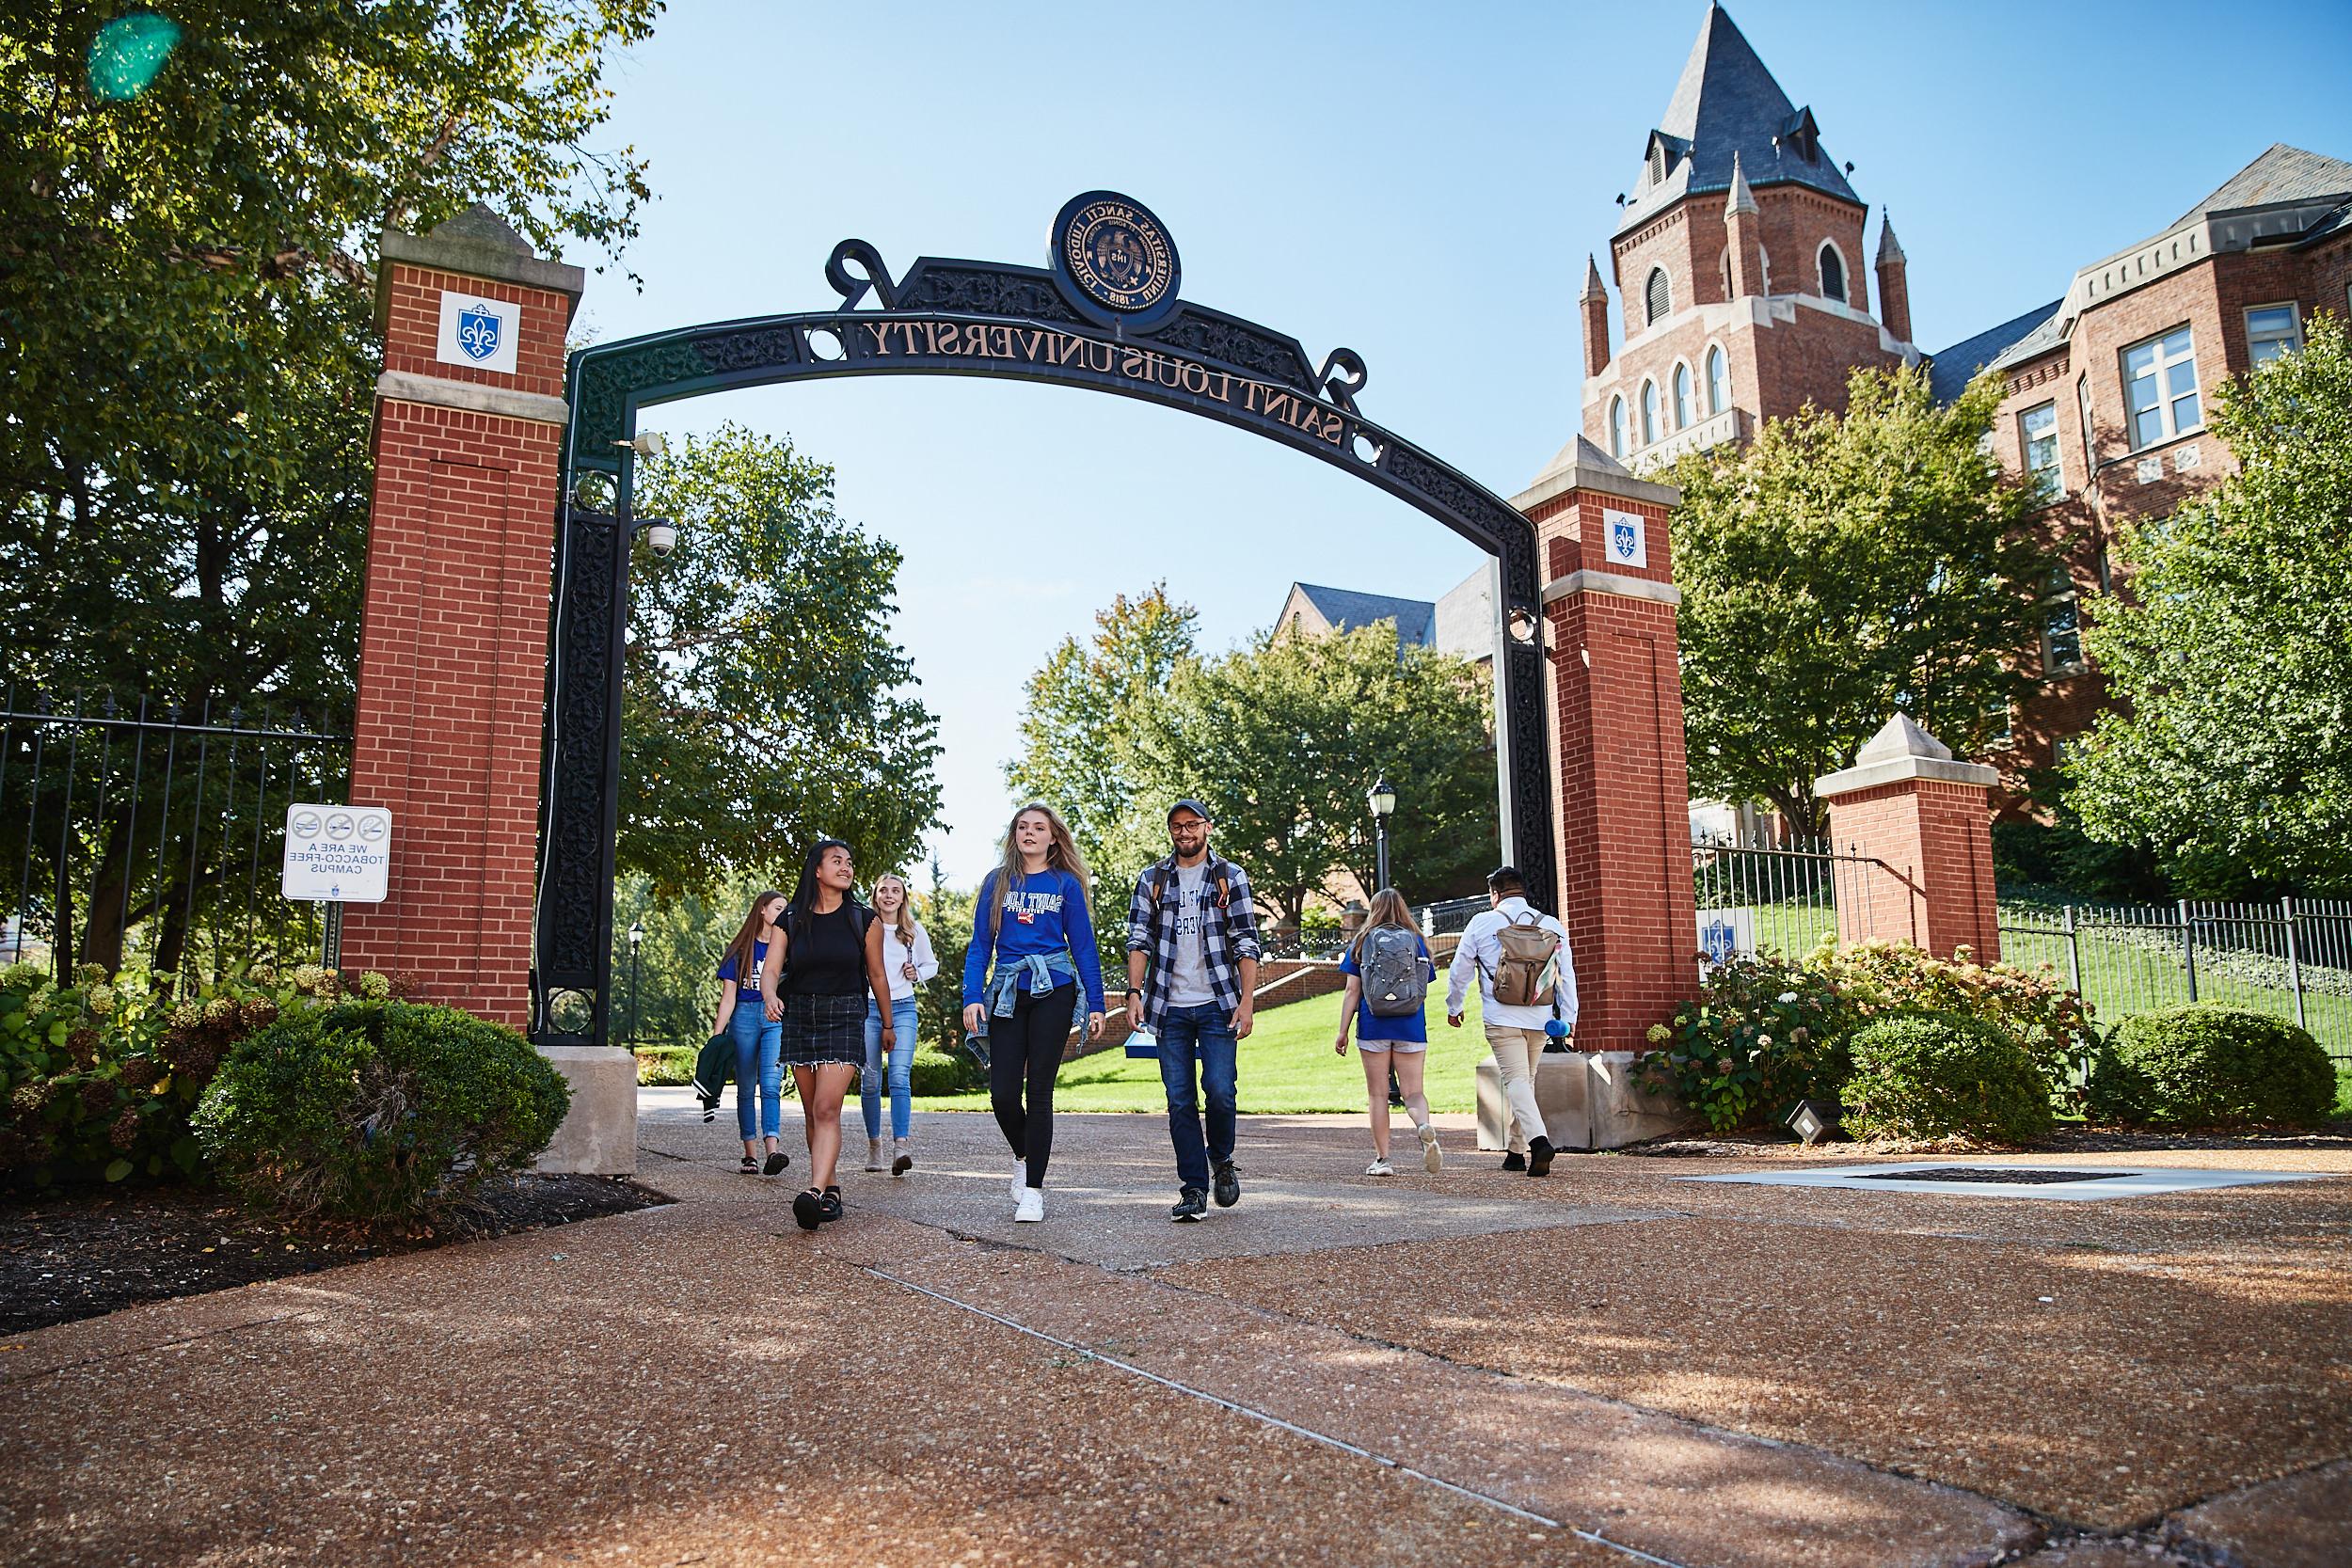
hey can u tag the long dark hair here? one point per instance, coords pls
(804, 891)
(747, 938)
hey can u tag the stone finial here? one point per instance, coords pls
(1902, 750)
(481, 226)
(1593, 288)
(1890, 249)
(1742, 199)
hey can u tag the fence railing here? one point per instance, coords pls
(147, 837)
(1785, 895)
(2291, 958)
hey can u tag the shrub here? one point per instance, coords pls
(2032, 1005)
(2205, 1066)
(939, 1073)
(1939, 1075)
(667, 1065)
(1765, 1033)
(376, 1110)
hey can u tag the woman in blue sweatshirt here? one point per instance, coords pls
(1033, 927)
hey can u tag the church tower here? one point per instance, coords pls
(1739, 269)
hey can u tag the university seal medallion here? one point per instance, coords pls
(1117, 257)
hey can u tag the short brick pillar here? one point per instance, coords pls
(1624, 835)
(453, 633)
(1928, 819)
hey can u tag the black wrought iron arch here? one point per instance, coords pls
(957, 318)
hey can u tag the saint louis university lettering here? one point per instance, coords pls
(477, 331)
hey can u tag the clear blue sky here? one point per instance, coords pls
(1419, 183)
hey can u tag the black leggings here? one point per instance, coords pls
(1029, 1044)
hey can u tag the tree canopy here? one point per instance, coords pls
(2229, 655)
(1839, 568)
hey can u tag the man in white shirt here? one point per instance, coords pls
(1515, 1034)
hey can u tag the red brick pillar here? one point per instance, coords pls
(1624, 808)
(1926, 820)
(453, 635)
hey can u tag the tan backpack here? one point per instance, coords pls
(1525, 968)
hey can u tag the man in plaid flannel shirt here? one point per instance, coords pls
(1192, 967)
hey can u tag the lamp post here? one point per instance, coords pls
(636, 938)
(1382, 799)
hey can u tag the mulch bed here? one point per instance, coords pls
(77, 1255)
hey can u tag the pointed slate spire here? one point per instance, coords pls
(1742, 199)
(1890, 249)
(1592, 289)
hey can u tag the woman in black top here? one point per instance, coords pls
(816, 981)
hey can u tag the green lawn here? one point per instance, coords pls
(1286, 1068)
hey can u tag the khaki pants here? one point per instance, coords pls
(1517, 1052)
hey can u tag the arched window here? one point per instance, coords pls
(1660, 295)
(1718, 382)
(1649, 412)
(1832, 274)
(1617, 427)
(1724, 266)
(1682, 396)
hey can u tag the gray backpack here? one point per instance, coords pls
(1395, 984)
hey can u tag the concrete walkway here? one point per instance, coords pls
(1609, 1367)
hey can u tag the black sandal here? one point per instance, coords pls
(830, 1204)
(809, 1209)
(777, 1160)
(750, 1167)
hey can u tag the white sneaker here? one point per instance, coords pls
(1432, 1160)
(1380, 1167)
(1020, 1179)
(873, 1155)
(1032, 1205)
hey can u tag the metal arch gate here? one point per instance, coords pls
(960, 318)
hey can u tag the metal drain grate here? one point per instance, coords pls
(2011, 1175)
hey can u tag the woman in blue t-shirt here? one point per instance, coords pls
(1033, 925)
(1400, 1038)
(756, 1037)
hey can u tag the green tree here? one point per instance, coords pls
(1077, 751)
(2231, 655)
(1840, 568)
(186, 320)
(766, 706)
(1282, 741)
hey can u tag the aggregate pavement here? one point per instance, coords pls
(1607, 1367)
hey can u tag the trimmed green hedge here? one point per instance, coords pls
(937, 1072)
(1940, 1076)
(2206, 1066)
(376, 1111)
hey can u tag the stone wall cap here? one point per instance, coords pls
(1902, 737)
(502, 402)
(1625, 587)
(1581, 466)
(479, 244)
(1903, 769)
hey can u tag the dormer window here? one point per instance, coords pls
(1659, 296)
(1656, 163)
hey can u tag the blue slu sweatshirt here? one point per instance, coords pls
(1046, 913)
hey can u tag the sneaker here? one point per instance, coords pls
(1228, 1185)
(901, 1161)
(1539, 1156)
(1515, 1161)
(873, 1155)
(1020, 1179)
(1432, 1160)
(1380, 1167)
(1189, 1207)
(1032, 1205)
(808, 1209)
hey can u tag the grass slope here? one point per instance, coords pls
(1286, 1068)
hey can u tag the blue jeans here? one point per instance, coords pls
(1204, 1036)
(758, 1040)
(870, 1083)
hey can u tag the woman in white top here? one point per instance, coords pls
(908, 959)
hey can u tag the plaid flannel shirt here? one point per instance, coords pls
(1228, 931)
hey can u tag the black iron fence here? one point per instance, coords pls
(2291, 958)
(1783, 895)
(147, 837)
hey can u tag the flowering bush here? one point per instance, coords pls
(2032, 1006)
(1765, 1033)
(98, 1078)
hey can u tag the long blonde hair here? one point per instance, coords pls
(1389, 907)
(904, 924)
(1061, 853)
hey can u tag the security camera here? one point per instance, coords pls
(661, 538)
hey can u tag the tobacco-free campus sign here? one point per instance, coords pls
(337, 854)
